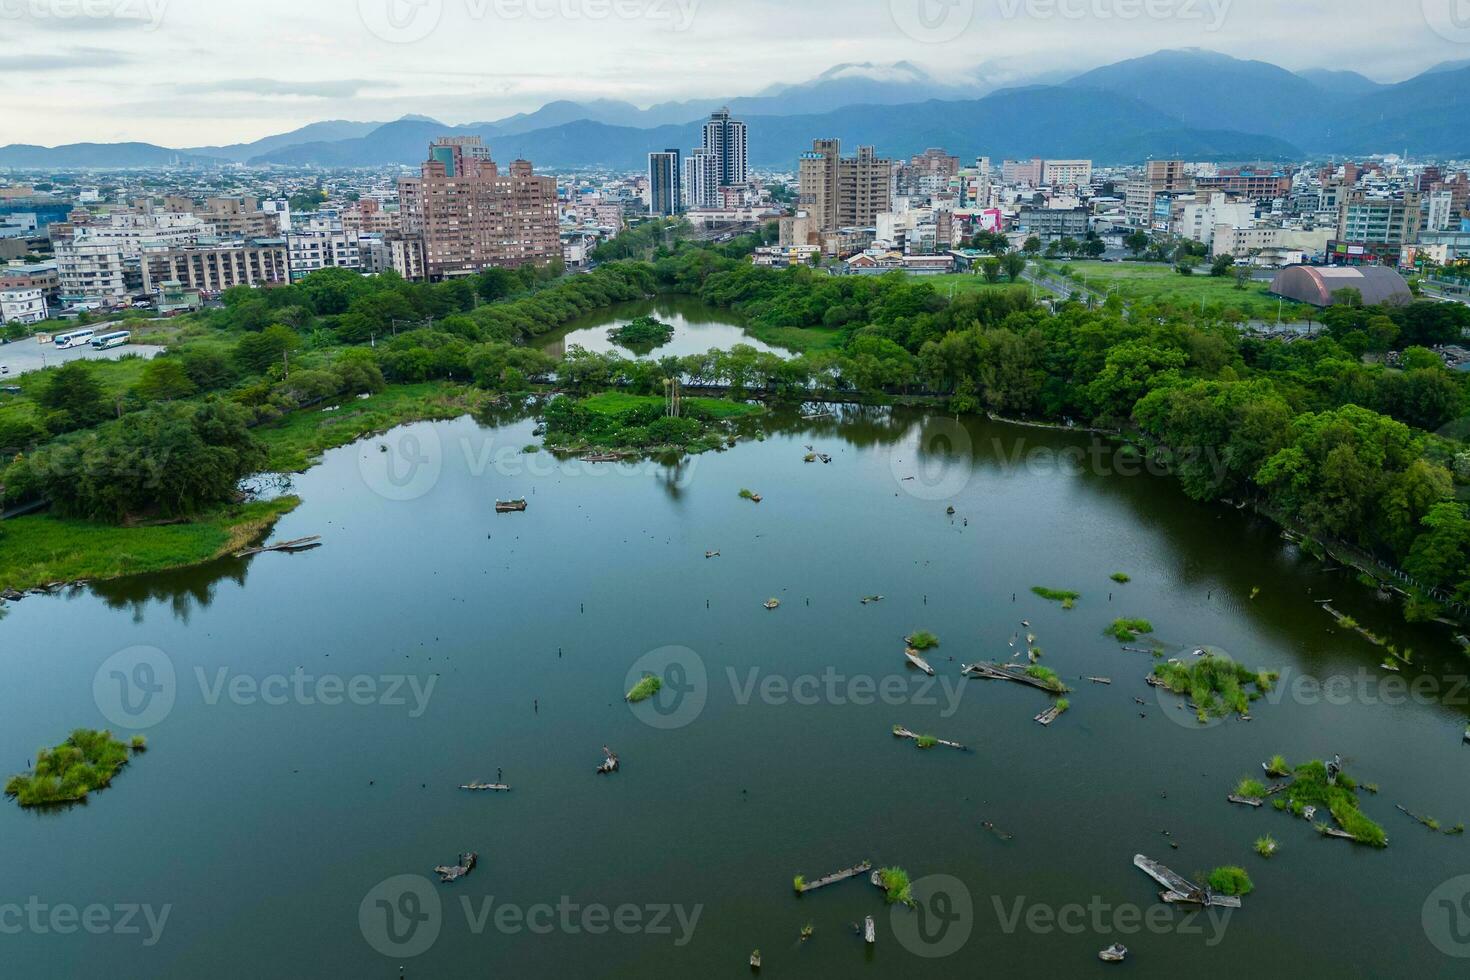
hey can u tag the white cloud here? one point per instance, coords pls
(237, 72)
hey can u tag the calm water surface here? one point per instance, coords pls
(698, 329)
(267, 827)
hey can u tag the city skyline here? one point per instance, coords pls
(182, 73)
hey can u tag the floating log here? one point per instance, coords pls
(602, 458)
(1101, 680)
(755, 959)
(609, 762)
(1180, 889)
(918, 661)
(1138, 650)
(835, 877)
(711, 554)
(1113, 954)
(772, 603)
(902, 732)
(299, 544)
(1005, 672)
(486, 787)
(870, 931)
(1334, 832)
(455, 872)
(510, 506)
(871, 598)
(1049, 715)
(1244, 800)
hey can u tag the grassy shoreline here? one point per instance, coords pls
(297, 441)
(41, 549)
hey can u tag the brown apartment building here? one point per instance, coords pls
(471, 216)
(843, 192)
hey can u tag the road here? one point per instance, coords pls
(24, 356)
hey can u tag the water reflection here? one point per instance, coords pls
(698, 329)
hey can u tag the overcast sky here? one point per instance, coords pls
(199, 72)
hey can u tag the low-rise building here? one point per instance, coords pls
(22, 306)
(1050, 224)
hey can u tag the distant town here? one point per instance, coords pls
(170, 240)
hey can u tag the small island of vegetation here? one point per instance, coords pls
(1128, 630)
(86, 761)
(922, 640)
(1067, 599)
(895, 882)
(644, 334)
(615, 420)
(1216, 685)
(1048, 679)
(1231, 880)
(1312, 786)
(645, 689)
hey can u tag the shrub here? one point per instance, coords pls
(896, 884)
(645, 689)
(1127, 630)
(923, 640)
(1231, 880)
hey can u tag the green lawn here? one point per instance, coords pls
(802, 340)
(1156, 282)
(297, 440)
(964, 282)
(40, 549)
(616, 403)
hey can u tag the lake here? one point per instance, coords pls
(698, 329)
(311, 717)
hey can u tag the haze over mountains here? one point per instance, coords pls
(1187, 103)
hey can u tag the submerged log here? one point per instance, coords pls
(836, 876)
(299, 544)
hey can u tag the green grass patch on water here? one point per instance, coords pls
(40, 549)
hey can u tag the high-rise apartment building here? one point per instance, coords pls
(728, 141)
(471, 216)
(665, 183)
(844, 192)
(701, 187)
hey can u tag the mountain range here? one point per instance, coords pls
(1187, 103)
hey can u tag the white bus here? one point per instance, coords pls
(75, 338)
(110, 340)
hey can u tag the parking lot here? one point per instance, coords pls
(24, 356)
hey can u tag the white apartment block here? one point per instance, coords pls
(322, 243)
(91, 271)
(1066, 173)
(701, 180)
(1442, 216)
(1198, 220)
(22, 306)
